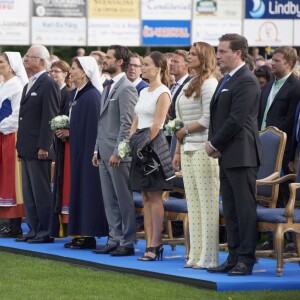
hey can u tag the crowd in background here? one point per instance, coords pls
(221, 98)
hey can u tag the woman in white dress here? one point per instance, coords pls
(151, 111)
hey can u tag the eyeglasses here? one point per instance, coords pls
(260, 71)
(26, 56)
(55, 71)
(133, 66)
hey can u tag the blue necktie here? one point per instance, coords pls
(225, 79)
(108, 86)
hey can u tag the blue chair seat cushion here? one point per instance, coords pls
(138, 200)
(275, 215)
(175, 205)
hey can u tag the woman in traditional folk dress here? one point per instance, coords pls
(87, 218)
(11, 200)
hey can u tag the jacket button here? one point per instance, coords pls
(21, 118)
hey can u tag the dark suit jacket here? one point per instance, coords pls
(37, 108)
(233, 121)
(282, 110)
(172, 110)
(143, 84)
(295, 145)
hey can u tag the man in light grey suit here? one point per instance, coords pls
(117, 111)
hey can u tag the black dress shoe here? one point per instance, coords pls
(9, 232)
(241, 269)
(84, 243)
(40, 240)
(122, 251)
(68, 245)
(106, 249)
(224, 268)
(24, 238)
(266, 246)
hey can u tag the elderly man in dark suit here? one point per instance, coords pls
(277, 108)
(116, 116)
(233, 139)
(39, 104)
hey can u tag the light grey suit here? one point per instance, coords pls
(114, 125)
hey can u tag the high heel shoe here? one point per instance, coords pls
(158, 251)
(144, 255)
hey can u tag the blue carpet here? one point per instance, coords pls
(171, 268)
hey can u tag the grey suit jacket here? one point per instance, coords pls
(116, 117)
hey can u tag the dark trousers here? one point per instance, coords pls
(238, 189)
(36, 181)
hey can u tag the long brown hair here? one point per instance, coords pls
(208, 62)
(160, 61)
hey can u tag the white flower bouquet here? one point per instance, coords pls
(124, 149)
(172, 126)
(60, 122)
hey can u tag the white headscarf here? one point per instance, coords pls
(90, 67)
(16, 63)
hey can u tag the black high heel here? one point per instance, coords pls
(158, 251)
(144, 255)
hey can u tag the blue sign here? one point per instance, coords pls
(162, 32)
(272, 9)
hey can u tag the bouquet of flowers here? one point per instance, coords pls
(172, 126)
(124, 149)
(60, 122)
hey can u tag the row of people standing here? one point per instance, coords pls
(225, 116)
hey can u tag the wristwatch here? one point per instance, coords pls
(186, 130)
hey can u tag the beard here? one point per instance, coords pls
(109, 70)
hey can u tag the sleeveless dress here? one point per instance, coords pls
(145, 110)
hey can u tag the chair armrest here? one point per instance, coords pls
(267, 181)
(289, 209)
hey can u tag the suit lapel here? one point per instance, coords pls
(281, 90)
(34, 87)
(111, 94)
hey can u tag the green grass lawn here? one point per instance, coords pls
(24, 277)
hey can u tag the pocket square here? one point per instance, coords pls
(112, 99)
(33, 94)
(225, 90)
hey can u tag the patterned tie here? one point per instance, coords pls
(108, 86)
(30, 84)
(225, 79)
(173, 88)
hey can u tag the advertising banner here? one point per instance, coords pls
(166, 10)
(215, 9)
(272, 9)
(59, 31)
(269, 32)
(14, 22)
(297, 33)
(59, 8)
(117, 9)
(209, 31)
(105, 32)
(166, 33)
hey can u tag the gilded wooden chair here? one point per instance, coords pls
(273, 143)
(176, 209)
(281, 220)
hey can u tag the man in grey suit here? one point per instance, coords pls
(117, 111)
(39, 104)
